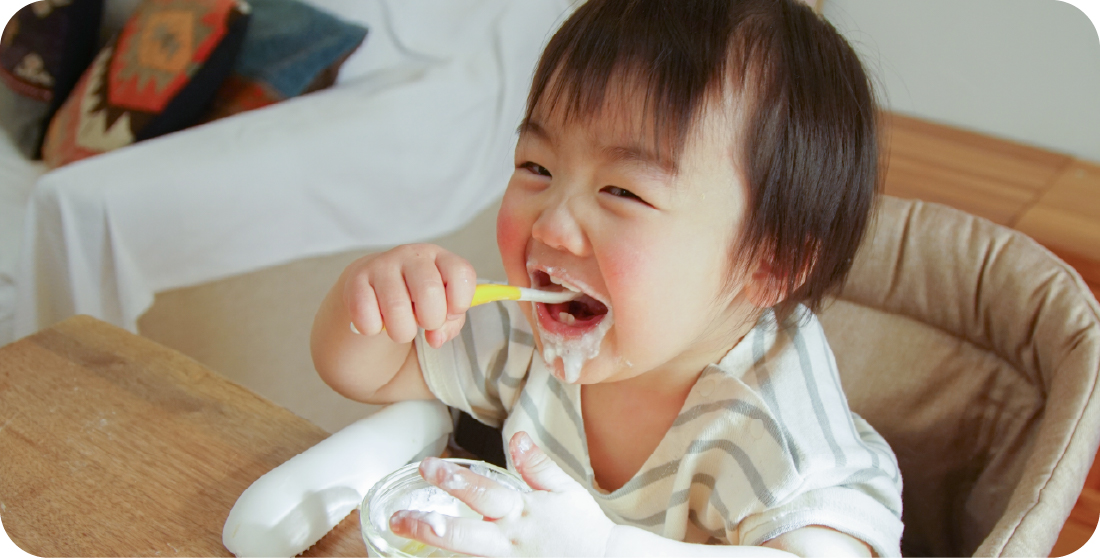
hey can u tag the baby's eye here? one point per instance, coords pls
(535, 168)
(621, 193)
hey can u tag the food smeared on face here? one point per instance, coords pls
(570, 330)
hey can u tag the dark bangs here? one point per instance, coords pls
(674, 51)
(807, 137)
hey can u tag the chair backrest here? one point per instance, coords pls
(975, 352)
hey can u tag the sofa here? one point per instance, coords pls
(174, 237)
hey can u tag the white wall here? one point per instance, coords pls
(1025, 70)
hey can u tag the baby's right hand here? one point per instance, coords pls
(409, 287)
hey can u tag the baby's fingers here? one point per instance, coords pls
(411, 287)
(362, 304)
(537, 469)
(483, 495)
(396, 307)
(460, 280)
(437, 337)
(426, 289)
(456, 534)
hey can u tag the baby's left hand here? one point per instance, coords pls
(558, 518)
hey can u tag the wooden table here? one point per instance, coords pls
(113, 445)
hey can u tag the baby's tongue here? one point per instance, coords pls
(584, 308)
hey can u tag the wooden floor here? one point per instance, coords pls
(1052, 197)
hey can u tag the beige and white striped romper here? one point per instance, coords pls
(764, 444)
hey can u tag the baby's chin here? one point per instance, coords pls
(604, 367)
(557, 370)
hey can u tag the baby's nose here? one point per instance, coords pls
(558, 228)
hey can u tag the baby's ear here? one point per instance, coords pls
(763, 288)
(767, 286)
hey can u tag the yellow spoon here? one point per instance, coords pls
(493, 292)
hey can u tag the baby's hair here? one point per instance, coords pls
(808, 129)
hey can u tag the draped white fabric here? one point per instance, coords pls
(413, 141)
(17, 178)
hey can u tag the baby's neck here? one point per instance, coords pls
(673, 378)
(679, 374)
(623, 426)
(626, 420)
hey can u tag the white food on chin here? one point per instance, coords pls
(574, 352)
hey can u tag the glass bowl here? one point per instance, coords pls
(405, 489)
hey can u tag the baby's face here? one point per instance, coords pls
(591, 207)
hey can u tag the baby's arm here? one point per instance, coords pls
(404, 289)
(807, 541)
(560, 518)
(816, 540)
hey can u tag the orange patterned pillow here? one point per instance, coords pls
(156, 77)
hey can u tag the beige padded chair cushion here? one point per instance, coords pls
(975, 352)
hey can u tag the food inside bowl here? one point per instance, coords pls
(405, 489)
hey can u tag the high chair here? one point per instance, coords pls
(975, 352)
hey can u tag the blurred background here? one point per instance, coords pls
(219, 238)
(1023, 70)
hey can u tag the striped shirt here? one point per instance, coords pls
(764, 444)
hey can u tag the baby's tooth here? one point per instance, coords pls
(558, 282)
(567, 318)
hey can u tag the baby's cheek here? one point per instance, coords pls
(507, 230)
(625, 270)
(511, 241)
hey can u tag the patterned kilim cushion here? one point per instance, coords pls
(156, 77)
(291, 48)
(44, 48)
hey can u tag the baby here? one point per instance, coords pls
(701, 173)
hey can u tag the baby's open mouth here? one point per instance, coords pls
(578, 314)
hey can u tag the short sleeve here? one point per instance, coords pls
(863, 501)
(484, 368)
